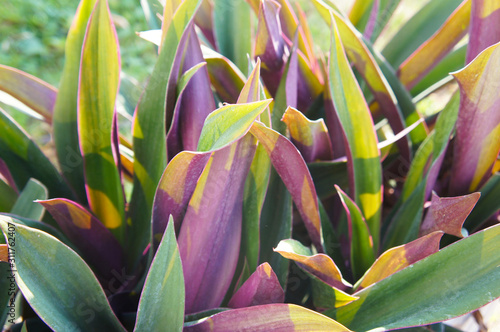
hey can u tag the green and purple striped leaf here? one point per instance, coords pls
(279, 317)
(162, 298)
(420, 62)
(35, 93)
(257, 181)
(365, 171)
(319, 265)
(484, 27)
(47, 288)
(215, 209)
(362, 253)
(65, 109)
(194, 99)
(292, 169)
(365, 63)
(98, 87)
(398, 258)
(96, 243)
(175, 190)
(310, 137)
(262, 287)
(225, 77)
(434, 295)
(478, 125)
(448, 214)
(149, 130)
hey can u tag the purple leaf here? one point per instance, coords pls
(448, 214)
(262, 287)
(210, 234)
(98, 246)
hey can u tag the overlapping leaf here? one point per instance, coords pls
(484, 27)
(435, 296)
(96, 243)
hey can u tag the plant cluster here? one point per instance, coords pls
(256, 184)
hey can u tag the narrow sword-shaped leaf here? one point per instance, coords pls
(310, 137)
(149, 130)
(365, 171)
(485, 27)
(37, 94)
(98, 87)
(65, 109)
(162, 298)
(232, 28)
(96, 243)
(257, 181)
(292, 169)
(435, 48)
(262, 287)
(6, 176)
(25, 159)
(421, 179)
(435, 296)
(61, 297)
(281, 317)
(398, 258)
(448, 214)
(362, 251)
(209, 239)
(365, 63)
(229, 123)
(418, 29)
(478, 124)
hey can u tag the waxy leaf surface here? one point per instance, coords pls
(162, 298)
(58, 295)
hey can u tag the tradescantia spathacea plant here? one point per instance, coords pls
(258, 183)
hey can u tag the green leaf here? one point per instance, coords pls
(25, 160)
(365, 170)
(362, 253)
(99, 79)
(232, 28)
(162, 298)
(56, 282)
(25, 207)
(487, 205)
(424, 293)
(229, 123)
(65, 109)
